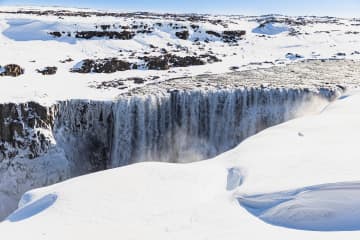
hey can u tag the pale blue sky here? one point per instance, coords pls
(349, 8)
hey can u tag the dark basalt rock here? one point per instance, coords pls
(18, 124)
(124, 35)
(228, 36)
(216, 34)
(137, 80)
(107, 65)
(105, 27)
(167, 61)
(12, 70)
(55, 34)
(156, 63)
(210, 58)
(183, 35)
(48, 71)
(66, 60)
(176, 61)
(233, 36)
(293, 56)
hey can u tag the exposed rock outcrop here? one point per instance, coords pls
(107, 65)
(12, 70)
(25, 129)
(124, 35)
(47, 70)
(184, 35)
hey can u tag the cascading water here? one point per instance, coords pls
(184, 126)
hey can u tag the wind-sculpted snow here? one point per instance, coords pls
(33, 208)
(328, 207)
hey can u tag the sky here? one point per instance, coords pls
(347, 8)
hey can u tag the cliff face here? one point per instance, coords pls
(43, 145)
(28, 157)
(22, 129)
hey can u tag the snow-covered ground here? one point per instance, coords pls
(25, 39)
(304, 177)
(297, 180)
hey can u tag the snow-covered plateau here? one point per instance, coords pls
(271, 103)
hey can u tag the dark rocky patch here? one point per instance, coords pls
(124, 35)
(167, 61)
(137, 80)
(195, 27)
(233, 36)
(352, 32)
(341, 54)
(213, 33)
(12, 70)
(293, 56)
(48, 70)
(105, 27)
(107, 65)
(156, 63)
(228, 36)
(183, 35)
(66, 60)
(55, 34)
(18, 123)
(117, 83)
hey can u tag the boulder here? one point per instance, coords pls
(47, 71)
(107, 65)
(183, 35)
(12, 70)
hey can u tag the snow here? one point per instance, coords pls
(24, 40)
(328, 207)
(236, 194)
(271, 29)
(297, 180)
(32, 30)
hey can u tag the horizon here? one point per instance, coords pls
(347, 8)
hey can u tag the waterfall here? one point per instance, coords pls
(185, 126)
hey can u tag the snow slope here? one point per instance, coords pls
(304, 177)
